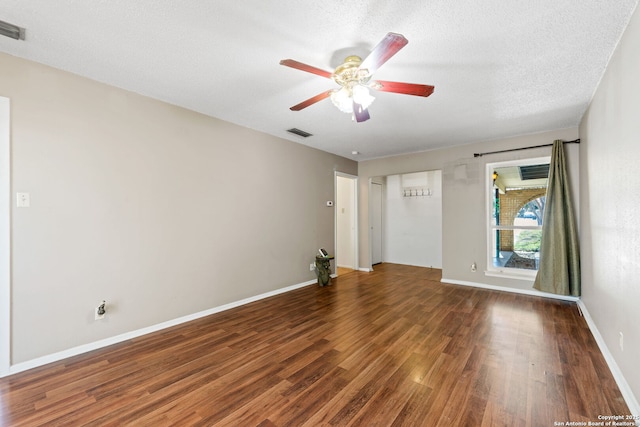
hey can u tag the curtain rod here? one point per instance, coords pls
(575, 141)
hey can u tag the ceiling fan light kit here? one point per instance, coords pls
(354, 78)
(345, 97)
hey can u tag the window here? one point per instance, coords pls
(516, 200)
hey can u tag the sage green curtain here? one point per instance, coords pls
(559, 269)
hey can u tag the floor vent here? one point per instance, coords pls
(299, 132)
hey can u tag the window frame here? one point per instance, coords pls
(491, 270)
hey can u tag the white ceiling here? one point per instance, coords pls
(500, 68)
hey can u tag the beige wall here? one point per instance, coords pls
(610, 204)
(160, 211)
(464, 235)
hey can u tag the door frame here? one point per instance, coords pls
(5, 237)
(354, 206)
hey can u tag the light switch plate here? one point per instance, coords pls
(23, 200)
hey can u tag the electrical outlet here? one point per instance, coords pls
(100, 310)
(312, 267)
(474, 267)
(621, 342)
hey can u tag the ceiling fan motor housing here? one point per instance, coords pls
(349, 74)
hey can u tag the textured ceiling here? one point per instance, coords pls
(500, 68)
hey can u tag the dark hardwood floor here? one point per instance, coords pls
(389, 348)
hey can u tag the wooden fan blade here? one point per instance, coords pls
(304, 67)
(311, 101)
(388, 46)
(360, 114)
(404, 88)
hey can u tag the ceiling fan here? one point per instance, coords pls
(354, 78)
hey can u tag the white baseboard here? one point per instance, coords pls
(366, 270)
(532, 292)
(44, 360)
(627, 394)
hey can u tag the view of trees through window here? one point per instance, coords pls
(527, 242)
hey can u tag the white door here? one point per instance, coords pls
(376, 223)
(345, 221)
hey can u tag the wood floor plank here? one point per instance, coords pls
(393, 347)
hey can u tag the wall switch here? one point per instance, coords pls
(23, 200)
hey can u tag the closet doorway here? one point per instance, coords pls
(406, 219)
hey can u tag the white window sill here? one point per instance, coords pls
(512, 274)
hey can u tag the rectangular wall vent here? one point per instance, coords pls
(10, 30)
(299, 132)
(534, 172)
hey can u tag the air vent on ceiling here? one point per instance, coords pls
(299, 132)
(12, 31)
(534, 172)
